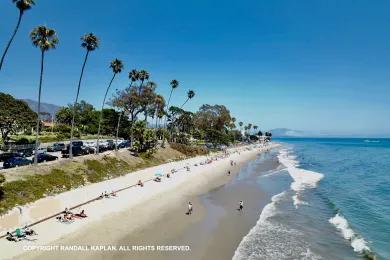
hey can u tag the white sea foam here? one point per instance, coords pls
(303, 179)
(358, 243)
(267, 212)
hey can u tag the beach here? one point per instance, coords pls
(157, 208)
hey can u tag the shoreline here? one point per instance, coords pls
(199, 179)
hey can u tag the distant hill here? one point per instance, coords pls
(45, 107)
(285, 132)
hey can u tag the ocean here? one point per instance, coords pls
(330, 200)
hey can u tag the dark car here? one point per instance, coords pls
(76, 151)
(44, 157)
(124, 144)
(110, 145)
(88, 150)
(25, 152)
(56, 147)
(5, 156)
(15, 162)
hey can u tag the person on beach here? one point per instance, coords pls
(241, 206)
(140, 183)
(228, 173)
(81, 214)
(189, 208)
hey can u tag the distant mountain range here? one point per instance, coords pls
(285, 132)
(45, 107)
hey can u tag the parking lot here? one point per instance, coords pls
(89, 145)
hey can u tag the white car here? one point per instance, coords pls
(41, 150)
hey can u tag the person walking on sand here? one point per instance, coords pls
(241, 206)
(189, 208)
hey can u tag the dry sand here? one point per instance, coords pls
(134, 210)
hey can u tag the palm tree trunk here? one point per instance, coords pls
(12, 38)
(74, 106)
(169, 100)
(101, 114)
(117, 130)
(184, 103)
(39, 110)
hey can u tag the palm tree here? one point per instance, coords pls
(116, 66)
(190, 95)
(46, 39)
(174, 84)
(22, 5)
(255, 127)
(142, 76)
(133, 76)
(90, 42)
(240, 124)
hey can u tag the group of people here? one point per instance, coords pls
(69, 216)
(20, 234)
(105, 194)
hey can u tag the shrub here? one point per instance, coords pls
(35, 187)
(190, 150)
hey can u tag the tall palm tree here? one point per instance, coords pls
(142, 76)
(90, 42)
(133, 76)
(117, 67)
(174, 84)
(190, 95)
(240, 124)
(22, 5)
(45, 39)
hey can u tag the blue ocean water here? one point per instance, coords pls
(356, 183)
(337, 205)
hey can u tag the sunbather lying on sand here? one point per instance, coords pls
(11, 237)
(81, 214)
(28, 231)
(157, 179)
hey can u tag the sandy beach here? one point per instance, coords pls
(132, 211)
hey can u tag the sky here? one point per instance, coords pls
(312, 65)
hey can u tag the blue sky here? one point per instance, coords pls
(319, 66)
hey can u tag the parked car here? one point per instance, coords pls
(5, 156)
(76, 151)
(110, 144)
(41, 150)
(45, 157)
(15, 162)
(26, 152)
(88, 149)
(56, 147)
(124, 144)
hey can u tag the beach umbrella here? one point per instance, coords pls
(159, 174)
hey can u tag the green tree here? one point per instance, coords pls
(22, 5)
(45, 39)
(117, 67)
(15, 116)
(90, 42)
